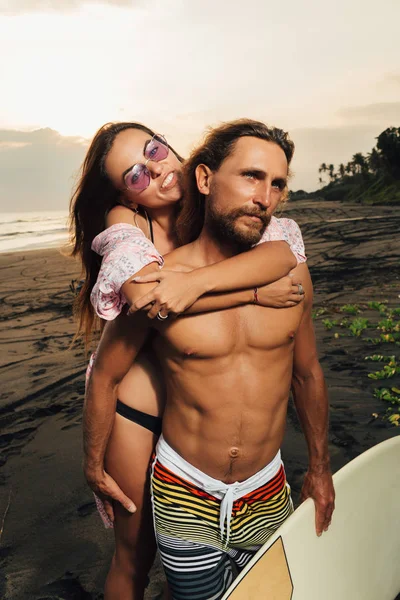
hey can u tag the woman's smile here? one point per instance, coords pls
(170, 180)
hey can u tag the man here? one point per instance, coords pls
(218, 483)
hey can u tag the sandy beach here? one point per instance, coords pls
(53, 545)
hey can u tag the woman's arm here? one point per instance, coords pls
(127, 253)
(261, 265)
(239, 275)
(283, 293)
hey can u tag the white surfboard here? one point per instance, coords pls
(357, 559)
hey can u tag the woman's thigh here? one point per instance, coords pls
(128, 459)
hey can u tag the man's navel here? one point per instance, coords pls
(234, 452)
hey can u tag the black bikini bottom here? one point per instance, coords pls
(150, 422)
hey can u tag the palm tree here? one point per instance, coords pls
(331, 170)
(360, 163)
(342, 170)
(388, 146)
(353, 167)
(323, 168)
(374, 161)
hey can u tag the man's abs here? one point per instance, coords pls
(228, 377)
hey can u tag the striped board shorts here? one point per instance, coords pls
(206, 530)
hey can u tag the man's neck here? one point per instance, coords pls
(211, 250)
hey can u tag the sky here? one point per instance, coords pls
(329, 74)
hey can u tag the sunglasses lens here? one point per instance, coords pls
(157, 149)
(137, 178)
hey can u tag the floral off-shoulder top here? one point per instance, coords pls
(126, 250)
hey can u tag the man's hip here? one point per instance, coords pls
(190, 505)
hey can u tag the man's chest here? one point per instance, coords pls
(243, 329)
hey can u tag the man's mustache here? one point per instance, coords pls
(261, 214)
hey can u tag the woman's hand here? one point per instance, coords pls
(175, 292)
(283, 293)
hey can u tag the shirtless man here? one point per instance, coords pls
(218, 483)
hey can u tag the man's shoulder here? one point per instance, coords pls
(283, 223)
(281, 228)
(287, 230)
(180, 257)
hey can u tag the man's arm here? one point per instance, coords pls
(311, 401)
(120, 344)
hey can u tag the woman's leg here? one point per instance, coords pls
(127, 461)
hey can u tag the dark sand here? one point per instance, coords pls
(52, 543)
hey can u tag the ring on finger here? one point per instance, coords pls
(300, 289)
(161, 317)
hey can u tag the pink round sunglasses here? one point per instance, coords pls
(137, 178)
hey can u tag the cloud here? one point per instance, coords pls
(38, 169)
(392, 78)
(4, 145)
(16, 7)
(388, 112)
(44, 136)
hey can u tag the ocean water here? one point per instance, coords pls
(33, 230)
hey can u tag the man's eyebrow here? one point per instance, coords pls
(282, 180)
(147, 142)
(259, 172)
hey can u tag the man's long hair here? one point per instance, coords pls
(218, 144)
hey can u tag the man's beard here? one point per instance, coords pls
(224, 227)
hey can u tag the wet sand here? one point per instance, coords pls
(52, 542)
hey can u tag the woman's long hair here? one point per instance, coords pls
(217, 146)
(93, 198)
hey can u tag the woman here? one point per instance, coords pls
(130, 185)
